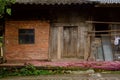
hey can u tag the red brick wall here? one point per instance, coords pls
(16, 51)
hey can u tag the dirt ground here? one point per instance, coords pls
(66, 77)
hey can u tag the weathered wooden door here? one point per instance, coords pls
(70, 39)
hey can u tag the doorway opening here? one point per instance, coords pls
(103, 47)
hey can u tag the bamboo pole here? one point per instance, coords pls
(102, 22)
(102, 31)
(104, 34)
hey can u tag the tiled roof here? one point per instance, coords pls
(66, 1)
(108, 1)
(53, 1)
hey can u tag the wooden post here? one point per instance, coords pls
(88, 48)
(88, 43)
(59, 43)
(1, 52)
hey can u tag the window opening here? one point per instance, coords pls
(26, 36)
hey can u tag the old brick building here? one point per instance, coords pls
(62, 30)
(17, 47)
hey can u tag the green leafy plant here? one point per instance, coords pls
(24, 71)
(5, 7)
(32, 70)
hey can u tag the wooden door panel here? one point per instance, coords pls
(70, 39)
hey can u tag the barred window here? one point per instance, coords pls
(26, 36)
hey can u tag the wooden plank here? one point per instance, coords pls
(66, 40)
(74, 40)
(59, 42)
(82, 39)
(79, 41)
(53, 42)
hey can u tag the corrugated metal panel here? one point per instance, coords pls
(107, 48)
(53, 1)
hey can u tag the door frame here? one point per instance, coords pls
(57, 55)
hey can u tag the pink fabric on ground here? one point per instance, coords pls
(113, 65)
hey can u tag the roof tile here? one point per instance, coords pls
(53, 1)
(107, 1)
(66, 1)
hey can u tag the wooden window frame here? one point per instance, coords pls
(26, 36)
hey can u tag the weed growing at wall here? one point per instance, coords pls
(29, 70)
(26, 71)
